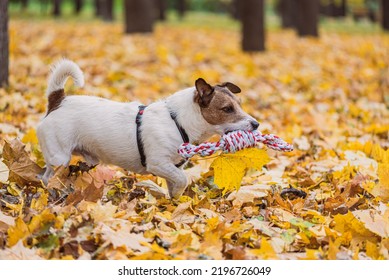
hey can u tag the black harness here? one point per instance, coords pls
(138, 121)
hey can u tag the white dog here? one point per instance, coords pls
(143, 140)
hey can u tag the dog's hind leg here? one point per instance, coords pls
(174, 176)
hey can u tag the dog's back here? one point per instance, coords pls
(85, 125)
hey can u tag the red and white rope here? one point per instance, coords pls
(233, 142)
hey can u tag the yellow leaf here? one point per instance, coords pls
(40, 203)
(162, 182)
(333, 248)
(311, 254)
(229, 169)
(382, 189)
(59, 221)
(350, 224)
(183, 242)
(372, 250)
(30, 137)
(39, 220)
(266, 251)
(212, 223)
(17, 232)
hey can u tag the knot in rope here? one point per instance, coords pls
(235, 141)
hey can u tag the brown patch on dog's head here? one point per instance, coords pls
(219, 105)
(55, 99)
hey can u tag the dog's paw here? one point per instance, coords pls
(176, 192)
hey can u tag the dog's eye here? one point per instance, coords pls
(228, 109)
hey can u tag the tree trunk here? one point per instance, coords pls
(98, 8)
(106, 9)
(342, 9)
(181, 8)
(78, 6)
(236, 9)
(385, 14)
(307, 17)
(4, 46)
(24, 4)
(334, 8)
(288, 11)
(57, 8)
(253, 22)
(139, 16)
(162, 5)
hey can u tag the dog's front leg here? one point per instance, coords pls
(174, 176)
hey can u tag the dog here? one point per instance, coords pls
(138, 139)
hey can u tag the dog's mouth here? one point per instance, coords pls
(233, 130)
(229, 131)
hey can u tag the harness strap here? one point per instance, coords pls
(182, 131)
(138, 121)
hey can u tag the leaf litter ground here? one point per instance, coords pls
(326, 200)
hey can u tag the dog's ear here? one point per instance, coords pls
(204, 94)
(232, 87)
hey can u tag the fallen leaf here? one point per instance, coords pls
(19, 252)
(153, 188)
(4, 172)
(183, 213)
(17, 232)
(123, 238)
(22, 169)
(229, 169)
(373, 221)
(103, 212)
(382, 189)
(248, 194)
(265, 252)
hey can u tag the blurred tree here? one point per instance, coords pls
(253, 22)
(385, 14)
(139, 16)
(333, 8)
(56, 8)
(24, 4)
(307, 17)
(106, 9)
(78, 6)
(288, 12)
(162, 6)
(181, 8)
(235, 9)
(98, 8)
(4, 44)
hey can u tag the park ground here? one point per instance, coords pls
(327, 96)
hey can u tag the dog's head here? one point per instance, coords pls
(221, 108)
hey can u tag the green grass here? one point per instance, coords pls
(193, 19)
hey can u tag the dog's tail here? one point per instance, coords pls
(60, 72)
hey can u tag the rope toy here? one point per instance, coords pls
(235, 141)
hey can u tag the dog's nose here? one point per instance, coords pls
(254, 124)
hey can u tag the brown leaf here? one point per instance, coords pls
(86, 189)
(70, 248)
(22, 170)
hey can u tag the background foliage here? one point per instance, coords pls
(326, 200)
